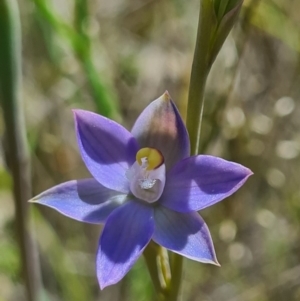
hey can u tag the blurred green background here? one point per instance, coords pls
(114, 57)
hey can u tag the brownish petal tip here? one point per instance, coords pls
(166, 96)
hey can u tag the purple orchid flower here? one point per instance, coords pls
(145, 186)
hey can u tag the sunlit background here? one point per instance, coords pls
(114, 57)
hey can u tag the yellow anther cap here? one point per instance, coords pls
(154, 157)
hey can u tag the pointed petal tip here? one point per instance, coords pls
(106, 280)
(103, 285)
(35, 199)
(249, 172)
(166, 96)
(216, 263)
(78, 112)
(75, 111)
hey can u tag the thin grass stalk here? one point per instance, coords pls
(15, 144)
(200, 70)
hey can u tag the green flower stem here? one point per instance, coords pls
(222, 9)
(176, 272)
(164, 265)
(17, 156)
(152, 255)
(213, 29)
(157, 260)
(200, 70)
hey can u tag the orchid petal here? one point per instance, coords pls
(107, 149)
(160, 126)
(185, 234)
(83, 200)
(201, 181)
(126, 233)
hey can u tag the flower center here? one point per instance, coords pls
(148, 159)
(147, 175)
